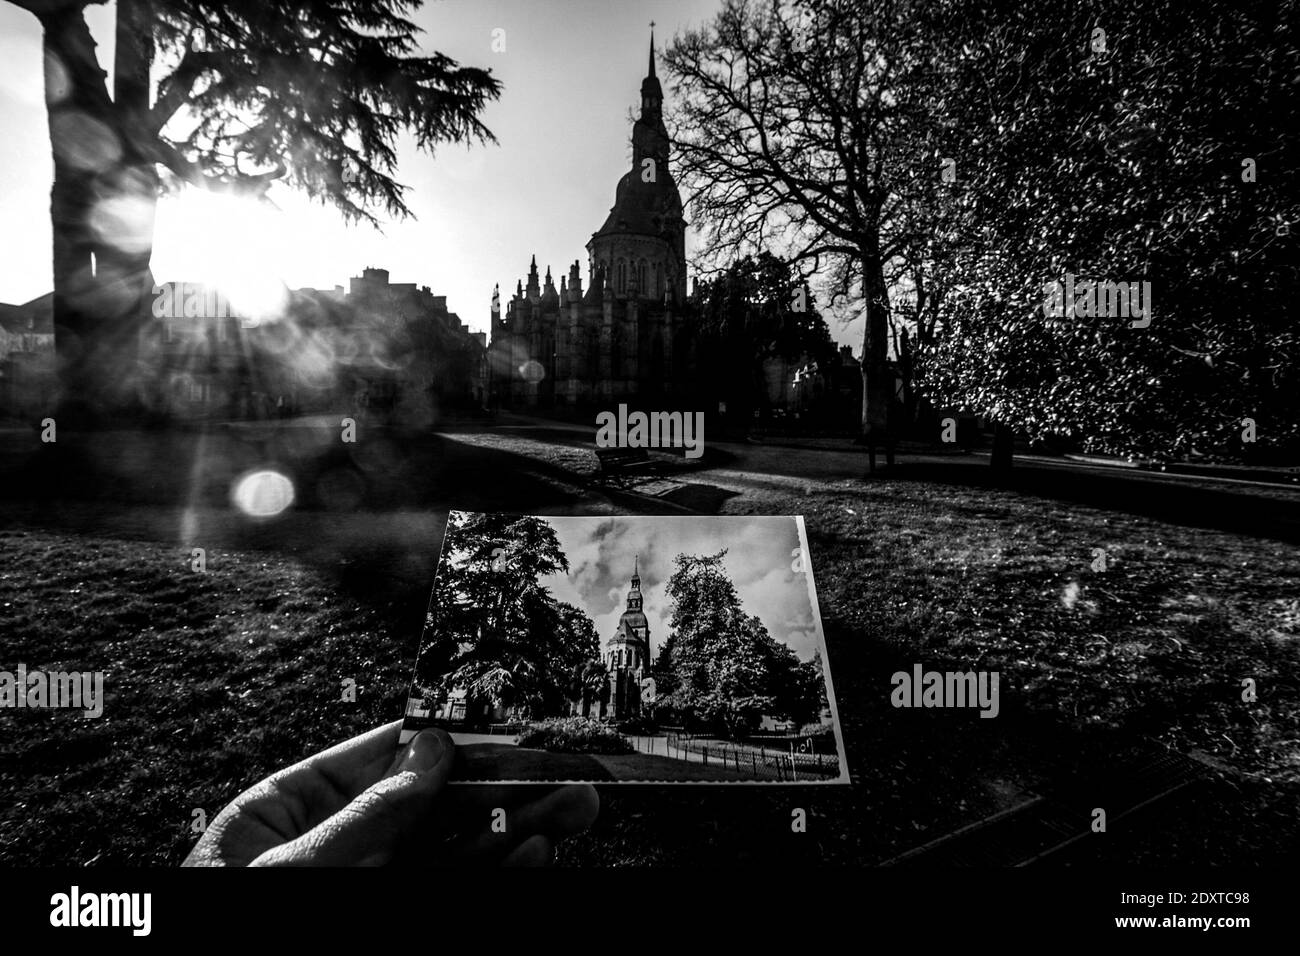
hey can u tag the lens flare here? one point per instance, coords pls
(262, 494)
(229, 242)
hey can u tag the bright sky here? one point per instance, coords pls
(759, 562)
(571, 72)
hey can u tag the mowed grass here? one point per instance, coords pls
(212, 680)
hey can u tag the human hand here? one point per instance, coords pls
(358, 805)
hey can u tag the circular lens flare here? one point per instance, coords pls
(262, 494)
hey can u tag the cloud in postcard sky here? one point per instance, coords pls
(758, 561)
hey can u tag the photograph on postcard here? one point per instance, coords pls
(628, 649)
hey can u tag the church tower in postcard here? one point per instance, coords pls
(627, 655)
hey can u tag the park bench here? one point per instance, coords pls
(621, 459)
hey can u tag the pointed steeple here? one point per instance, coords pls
(634, 595)
(652, 94)
(533, 288)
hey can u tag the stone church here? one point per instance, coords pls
(627, 657)
(621, 336)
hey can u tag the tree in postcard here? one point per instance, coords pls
(725, 669)
(493, 630)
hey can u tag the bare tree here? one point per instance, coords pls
(801, 127)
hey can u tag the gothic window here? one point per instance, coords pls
(640, 280)
(622, 276)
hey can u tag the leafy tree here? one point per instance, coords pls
(746, 317)
(1111, 143)
(492, 628)
(726, 670)
(310, 92)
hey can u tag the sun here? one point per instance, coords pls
(232, 243)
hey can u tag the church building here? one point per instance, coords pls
(622, 336)
(627, 657)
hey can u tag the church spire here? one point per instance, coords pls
(652, 94)
(634, 595)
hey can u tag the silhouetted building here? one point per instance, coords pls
(392, 350)
(623, 336)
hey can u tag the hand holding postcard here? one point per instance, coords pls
(628, 650)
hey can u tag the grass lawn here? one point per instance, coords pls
(211, 681)
(215, 679)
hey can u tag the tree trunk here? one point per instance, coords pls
(75, 94)
(101, 208)
(124, 274)
(1003, 447)
(877, 381)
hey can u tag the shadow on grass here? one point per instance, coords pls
(372, 512)
(1258, 512)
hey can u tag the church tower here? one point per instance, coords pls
(642, 244)
(627, 654)
(627, 336)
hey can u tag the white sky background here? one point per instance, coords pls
(758, 561)
(571, 72)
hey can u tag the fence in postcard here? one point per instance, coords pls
(758, 762)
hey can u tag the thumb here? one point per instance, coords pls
(370, 830)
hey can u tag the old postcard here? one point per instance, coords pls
(628, 649)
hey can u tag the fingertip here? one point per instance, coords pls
(579, 805)
(590, 803)
(535, 851)
(430, 749)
